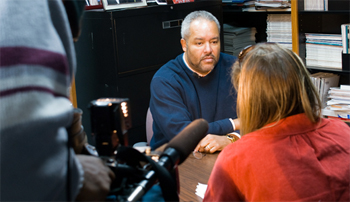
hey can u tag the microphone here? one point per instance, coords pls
(174, 154)
(186, 141)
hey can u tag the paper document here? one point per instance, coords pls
(200, 190)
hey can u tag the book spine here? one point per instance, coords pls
(344, 38)
(348, 38)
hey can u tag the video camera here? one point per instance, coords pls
(137, 172)
(110, 122)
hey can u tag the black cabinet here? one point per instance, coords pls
(119, 51)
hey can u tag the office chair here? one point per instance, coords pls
(149, 126)
(149, 130)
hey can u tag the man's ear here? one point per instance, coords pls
(183, 44)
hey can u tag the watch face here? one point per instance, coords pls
(235, 135)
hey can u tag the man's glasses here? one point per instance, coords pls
(198, 155)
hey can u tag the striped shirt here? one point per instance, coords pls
(37, 60)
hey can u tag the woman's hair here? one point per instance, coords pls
(185, 26)
(272, 83)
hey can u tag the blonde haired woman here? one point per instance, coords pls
(287, 151)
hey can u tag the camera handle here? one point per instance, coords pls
(158, 173)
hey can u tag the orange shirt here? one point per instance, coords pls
(289, 161)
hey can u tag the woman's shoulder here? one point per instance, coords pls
(335, 125)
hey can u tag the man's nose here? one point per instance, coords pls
(207, 48)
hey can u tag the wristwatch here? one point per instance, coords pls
(232, 138)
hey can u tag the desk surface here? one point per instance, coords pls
(192, 171)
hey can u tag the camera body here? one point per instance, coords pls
(135, 172)
(110, 122)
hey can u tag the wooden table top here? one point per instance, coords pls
(192, 171)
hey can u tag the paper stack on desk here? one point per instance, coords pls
(339, 104)
(200, 190)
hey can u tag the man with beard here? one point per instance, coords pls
(196, 84)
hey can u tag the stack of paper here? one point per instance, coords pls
(345, 33)
(237, 38)
(339, 103)
(316, 5)
(323, 82)
(234, 1)
(279, 29)
(324, 50)
(272, 4)
(201, 189)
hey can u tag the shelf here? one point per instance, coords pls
(325, 12)
(334, 6)
(339, 114)
(242, 9)
(327, 22)
(328, 69)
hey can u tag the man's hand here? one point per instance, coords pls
(97, 179)
(212, 143)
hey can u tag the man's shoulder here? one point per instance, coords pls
(171, 68)
(227, 59)
(226, 62)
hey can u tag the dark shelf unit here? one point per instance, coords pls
(327, 22)
(233, 15)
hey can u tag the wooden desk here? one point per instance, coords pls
(192, 171)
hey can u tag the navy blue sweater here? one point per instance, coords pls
(178, 97)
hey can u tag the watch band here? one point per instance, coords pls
(231, 138)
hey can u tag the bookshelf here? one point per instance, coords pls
(303, 21)
(325, 22)
(322, 22)
(235, 16)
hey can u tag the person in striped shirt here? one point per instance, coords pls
(37, 61)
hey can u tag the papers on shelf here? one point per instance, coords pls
(323, 82)
(339, 104)
(329, 111)
(256, 9)
(237, 38)
(327, 39)
(316, 5)
(279, 29)
(345, 33)
(200, 190)
(324, 50)
(344, 88)
(261, 4)
(339, 95)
